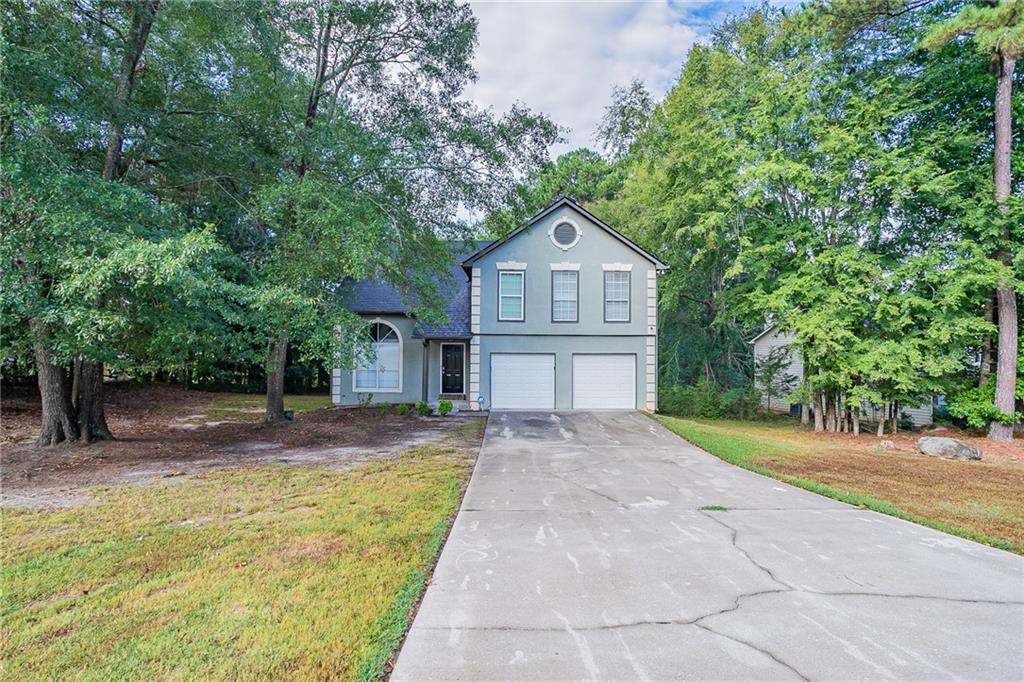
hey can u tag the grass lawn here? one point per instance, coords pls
(976, 500)
(274, 572)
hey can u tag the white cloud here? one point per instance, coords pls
(563, 58)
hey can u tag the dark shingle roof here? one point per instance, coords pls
(380, 298)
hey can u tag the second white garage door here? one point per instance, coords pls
(522, 381)
(604, 382)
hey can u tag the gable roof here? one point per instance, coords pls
(380, 298)
(559, 202)
(767, 329)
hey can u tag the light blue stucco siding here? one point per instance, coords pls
(534, 253)
(411, 384)
(595, 248)
(563, 348)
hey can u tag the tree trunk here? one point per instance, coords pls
(805, 413)
(819, 413)
(1006, 367)
(894, 415)
(830, 414)
(1006, 297)
(58, 414)
(135, 44)
(276, 362)
(856, 422)
(88, 401)
(881, 419)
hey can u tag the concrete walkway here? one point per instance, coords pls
(585, 549)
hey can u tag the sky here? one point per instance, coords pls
(563, 58)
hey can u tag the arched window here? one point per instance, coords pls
(382, 372)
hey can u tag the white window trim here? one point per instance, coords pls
(617, 267)
(440, 367)
(568, 221)
(576, 300)
(401, 362)
(511, 265)
(628, 301)
(565, 266)
(522, 295)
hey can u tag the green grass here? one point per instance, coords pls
(775, 449)
(255, 573)
(249, 406)
(714, 508)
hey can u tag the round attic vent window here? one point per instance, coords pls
(565, 234)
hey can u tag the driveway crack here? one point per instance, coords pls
(766, 652)
(767, 571)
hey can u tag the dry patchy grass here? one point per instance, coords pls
(978, 500)
(271, 572)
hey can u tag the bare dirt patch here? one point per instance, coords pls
(151, 443)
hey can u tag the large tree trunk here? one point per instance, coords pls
(882, 412)
(88, 398)
(856, 422)
(819, 412)
(276, 362)
(1006, 297)
(58, 420)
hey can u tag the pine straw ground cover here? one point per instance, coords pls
(272, 572)
(981, 501)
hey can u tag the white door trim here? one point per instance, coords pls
(440, 366)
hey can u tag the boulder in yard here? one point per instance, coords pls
(950, 448)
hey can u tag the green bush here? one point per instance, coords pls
(709, 400)
(403, 409)
(975, 406)
(422, 409)
(444, 407)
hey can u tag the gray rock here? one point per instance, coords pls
(950, 448)
(887, 445)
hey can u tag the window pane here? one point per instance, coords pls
(366, 378)
(511, 284)
(511, 308)
(617, 310)
(616, 296)
(387, 378)
(563, 295)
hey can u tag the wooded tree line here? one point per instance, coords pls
(844, 172)
(186, 184)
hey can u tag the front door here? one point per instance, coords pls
(452, 368)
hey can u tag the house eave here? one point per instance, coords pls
(559, 203)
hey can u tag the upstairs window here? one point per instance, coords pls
(384, 372)
(510, 296)
(616, 296)
(565, 296)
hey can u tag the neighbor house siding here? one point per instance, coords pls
(920, 415)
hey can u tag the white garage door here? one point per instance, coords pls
(524, 381)
(604, 382)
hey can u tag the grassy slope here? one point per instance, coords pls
(923, 490)
(269, 573)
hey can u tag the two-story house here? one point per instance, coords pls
(560, 314)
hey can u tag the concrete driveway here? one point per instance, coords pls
(586, 548)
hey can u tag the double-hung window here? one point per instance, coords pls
(511, 286)
(616, 296)
(565, 288)
(382, 371)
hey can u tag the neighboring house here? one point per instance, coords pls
(560, 314)
(773, 337)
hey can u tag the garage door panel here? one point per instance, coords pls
(604, 382)
(524, 381)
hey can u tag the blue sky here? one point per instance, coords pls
(563, 58)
